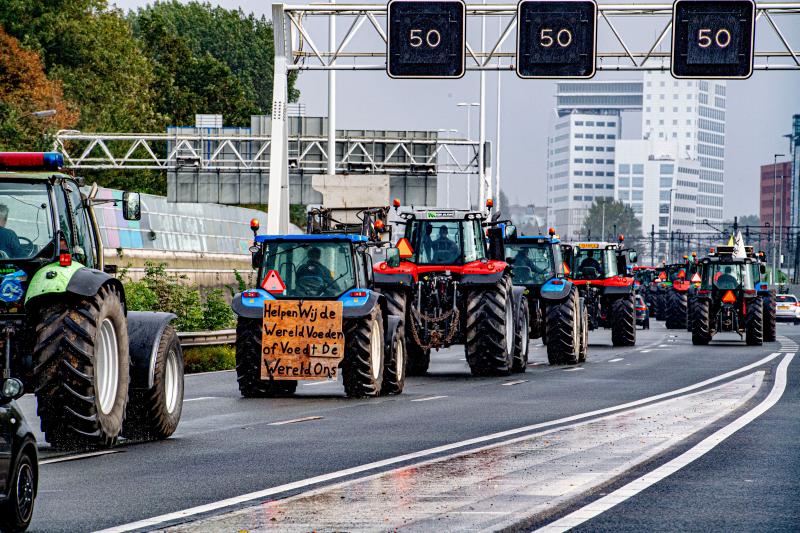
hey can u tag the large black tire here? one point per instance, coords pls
(76, 409)
(154, 414)
(701, 322)
(248, 364)
(584, 333)
(362, 367)
(490, 326)
(770, 319)
(623, 321)
(17, 510)
(536, 320)
(659, 306)
(418, 359)
(563, 330)
(676, 309)
(519, 361)
(689, 312)
(394, 371)
(754, 323)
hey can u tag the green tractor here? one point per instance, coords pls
(98, 371)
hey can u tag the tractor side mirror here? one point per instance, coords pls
(633, 257)
(762, 268)
(511, 231)
(622, 264)
(11, 390)
(496, 244)
(256, 256)
(392, 257)
(131, 206)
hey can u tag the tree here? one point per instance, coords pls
(24, 89)
(608, 214)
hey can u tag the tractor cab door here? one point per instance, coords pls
(567, 258)
(497, 249)
(84, 247)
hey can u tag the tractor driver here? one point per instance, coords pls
(522, 259)
(314, 268)
(444, 248)
(591, 262)
(9, 242)
(726, 278)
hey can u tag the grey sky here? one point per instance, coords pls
(759, 113)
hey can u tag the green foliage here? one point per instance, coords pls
(209, 359)
(297, 213)
(610, 214)
(160, 291)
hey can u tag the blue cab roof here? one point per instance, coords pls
(537, 237)
(314, 237)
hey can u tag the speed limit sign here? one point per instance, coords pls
(426, 39)
(713, 39)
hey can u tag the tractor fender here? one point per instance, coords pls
(392, 323)
(556, 289)
(617, 290)
(392, 280)
(517, 297)
(254, 310)
(482, 279)
(144, 335)
(357, 311)
(74, 279)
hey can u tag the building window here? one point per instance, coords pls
(579, 172)
(590, 123)
(609, 185)
(661, 122)
(637, 195)
(665, 183)
(579, 123)
(624, 182)
(638, 168)
(578, 185)
(624, 168)
(647, 109)
(624, 195)
(578, 160)
(666, 168)
(638, 182)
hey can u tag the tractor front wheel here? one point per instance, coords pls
(623, 321)
(362, 368)
(563, 330)
(521, 339)
(490, 327)
(248, 364)
(754, 323)
(770, 319)
(701, 322)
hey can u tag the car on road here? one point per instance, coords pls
(19, 465)
(642, 313)
(788, 308)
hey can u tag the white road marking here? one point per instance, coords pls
(207, 373)
(646, 351)
(575, 369)
(200, 398)
(517, 382)
(312, 383)
(429, 398)
(616, 359)
(149, 523)
(295, 420)
(636, 486)
(78, 456)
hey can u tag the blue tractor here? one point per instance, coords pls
(322, 267)
(555, 308)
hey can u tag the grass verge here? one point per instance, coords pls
(209, 358)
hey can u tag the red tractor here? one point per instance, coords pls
(451, 291)
(679, 291)
(599, 270)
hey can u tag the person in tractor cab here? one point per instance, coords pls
(522, 259)
(313, 268)
(9, 241)
(445, 250)
(591, 262)
(726, 279)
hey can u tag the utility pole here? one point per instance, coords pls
(332, 95)
(774, 190)
(482, 190)
(653, 244)
(497, 130)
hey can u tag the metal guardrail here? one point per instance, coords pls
(207, 338)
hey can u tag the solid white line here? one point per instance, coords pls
(295, 420)
(200, 398)
(237, 500)
(517, 382)
(616, 359)
(311, 384)
(78, 457)
(636, 486)
(207, 373)
(573, 369)
(429, 398)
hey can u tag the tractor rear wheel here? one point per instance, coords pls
(701, 322)
(754, 323)
(154, 414)
(418, 359)
(676, 309)
(623, 321)
(521, 339)
(82, 370)
(770, 319)
(394, 371)
(563, 330)
(362, 367)
(490, 327)
(248, 364)
(584, 333)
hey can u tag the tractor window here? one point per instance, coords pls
(25, 220)
(593, 263)
(310, 269)
(446, 242)
(727, 276)
(532, 263)
(473, 241)
(84, 249)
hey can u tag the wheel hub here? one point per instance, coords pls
(375, 349)
(171, 381)
(106, 367)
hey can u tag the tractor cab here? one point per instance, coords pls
(534, 259)
(597, 261)
(444, 237)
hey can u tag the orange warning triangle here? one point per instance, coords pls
(696, 278)
(273, 282)
(404, 247)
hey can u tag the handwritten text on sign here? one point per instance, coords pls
(301, 340)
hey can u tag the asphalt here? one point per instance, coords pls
(226, 446)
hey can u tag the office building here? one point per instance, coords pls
(776, 179)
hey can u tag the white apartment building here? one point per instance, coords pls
(580, 167)
(660, 187)
(691, 114)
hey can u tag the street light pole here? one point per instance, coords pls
(774, 195)
(469, 105)
(482, 188)
(332, 96)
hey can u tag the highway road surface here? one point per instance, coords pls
(660, 436)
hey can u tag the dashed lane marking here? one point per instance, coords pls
(646, 351)
(78, 456)
(429, 398)
(150, 523)
(517, 382)
(636, 486)
(573, 369)
(201, 398)
(295, 420)
(616, 359)
(311, 384)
